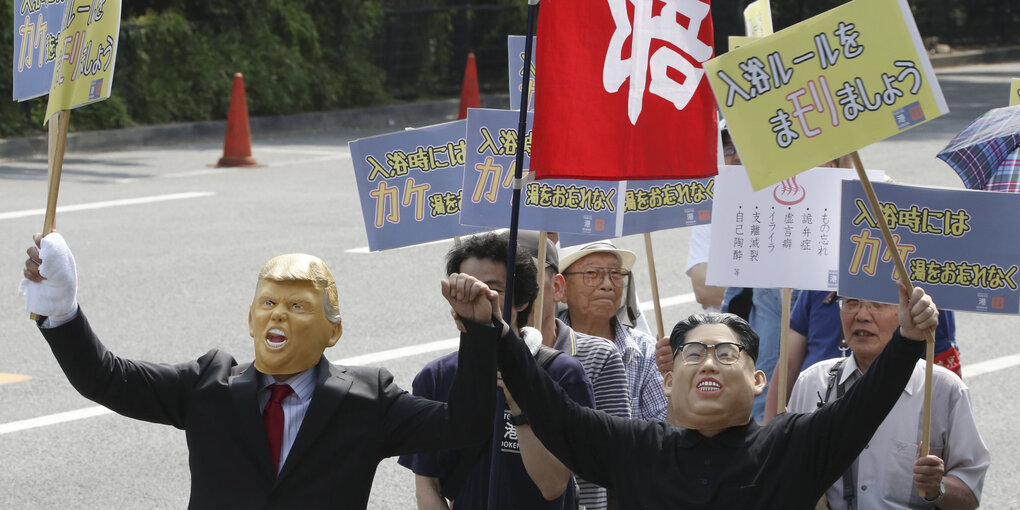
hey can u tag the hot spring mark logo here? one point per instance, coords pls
(789, 192)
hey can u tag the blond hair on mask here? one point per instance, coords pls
(301, 267)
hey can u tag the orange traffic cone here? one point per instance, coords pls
(469, 95)
(237, 143)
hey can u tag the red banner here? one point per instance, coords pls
(620, 91)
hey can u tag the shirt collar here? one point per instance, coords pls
(303, 383)
(565, 338)
(852, 370)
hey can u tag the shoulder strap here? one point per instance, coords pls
(451, 486)
(546, 355)
(850, 475)
(835, 371)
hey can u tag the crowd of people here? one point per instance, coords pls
(593, 415)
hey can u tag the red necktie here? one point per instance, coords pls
(272, 417)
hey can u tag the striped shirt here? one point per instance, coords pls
(604, 367)
(647, 400)
(294, 405)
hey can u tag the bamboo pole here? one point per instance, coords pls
(876, 210)
(655, 284)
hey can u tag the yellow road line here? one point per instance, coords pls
(13, 378)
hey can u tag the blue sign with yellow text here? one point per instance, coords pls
(36, 32)
(959, 245)
(409, 185)
(555, 205)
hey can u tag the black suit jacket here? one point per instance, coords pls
(356, 417)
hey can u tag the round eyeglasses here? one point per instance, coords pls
(694, 353)
(594, 276)
(855, 305)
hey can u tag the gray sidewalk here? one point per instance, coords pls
(372, 118)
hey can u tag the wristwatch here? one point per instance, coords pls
(519, 419)
(942, 494)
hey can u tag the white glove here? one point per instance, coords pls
(56, 296)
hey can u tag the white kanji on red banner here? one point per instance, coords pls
(645, 28)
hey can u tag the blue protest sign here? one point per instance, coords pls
(515, 56)
(959, 245)
(409, 185)
(555, 205)
(36, 30)
(650, 206)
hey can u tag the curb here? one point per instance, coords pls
(376, 117)
(987, 56)
(396, 116)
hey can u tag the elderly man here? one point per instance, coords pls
(291, 430)
(597, 275)
(601, 361)
(723, 459)
(889, 472)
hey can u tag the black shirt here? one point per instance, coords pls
(787, 464)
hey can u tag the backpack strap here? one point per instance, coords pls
(850, 475)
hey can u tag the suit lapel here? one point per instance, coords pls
(332, 385)
(243, 390)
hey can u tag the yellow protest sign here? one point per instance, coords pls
(758, 19)
(825, 87)
(85, 54)
(1014, 92)
(737, 41)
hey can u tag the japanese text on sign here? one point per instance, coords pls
(825, 87)
(959, 254)
(409, 185)
(85, 54)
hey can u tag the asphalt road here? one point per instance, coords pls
(168, 249)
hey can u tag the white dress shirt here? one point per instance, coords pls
(294, 405)
(886, 466)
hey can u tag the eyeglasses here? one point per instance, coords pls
(854, 305)
(594, 276)
(694, 353)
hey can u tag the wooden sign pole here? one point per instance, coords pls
(876, 211)
(655, 284)
(57, 142)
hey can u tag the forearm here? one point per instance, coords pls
(548, 473)
(471, 403)
(958, 495)
(426, 492)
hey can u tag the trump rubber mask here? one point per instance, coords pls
(294, 316)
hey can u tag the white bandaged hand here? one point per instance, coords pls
(56, 296)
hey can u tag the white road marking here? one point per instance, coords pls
(364, 249)
(302, 151)
(991, 365)
(53, 419)
(309, 160)
(103, 205)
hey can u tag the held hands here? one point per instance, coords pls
(918, 313)
(928, 473)
(471, 299)
(50, 286)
